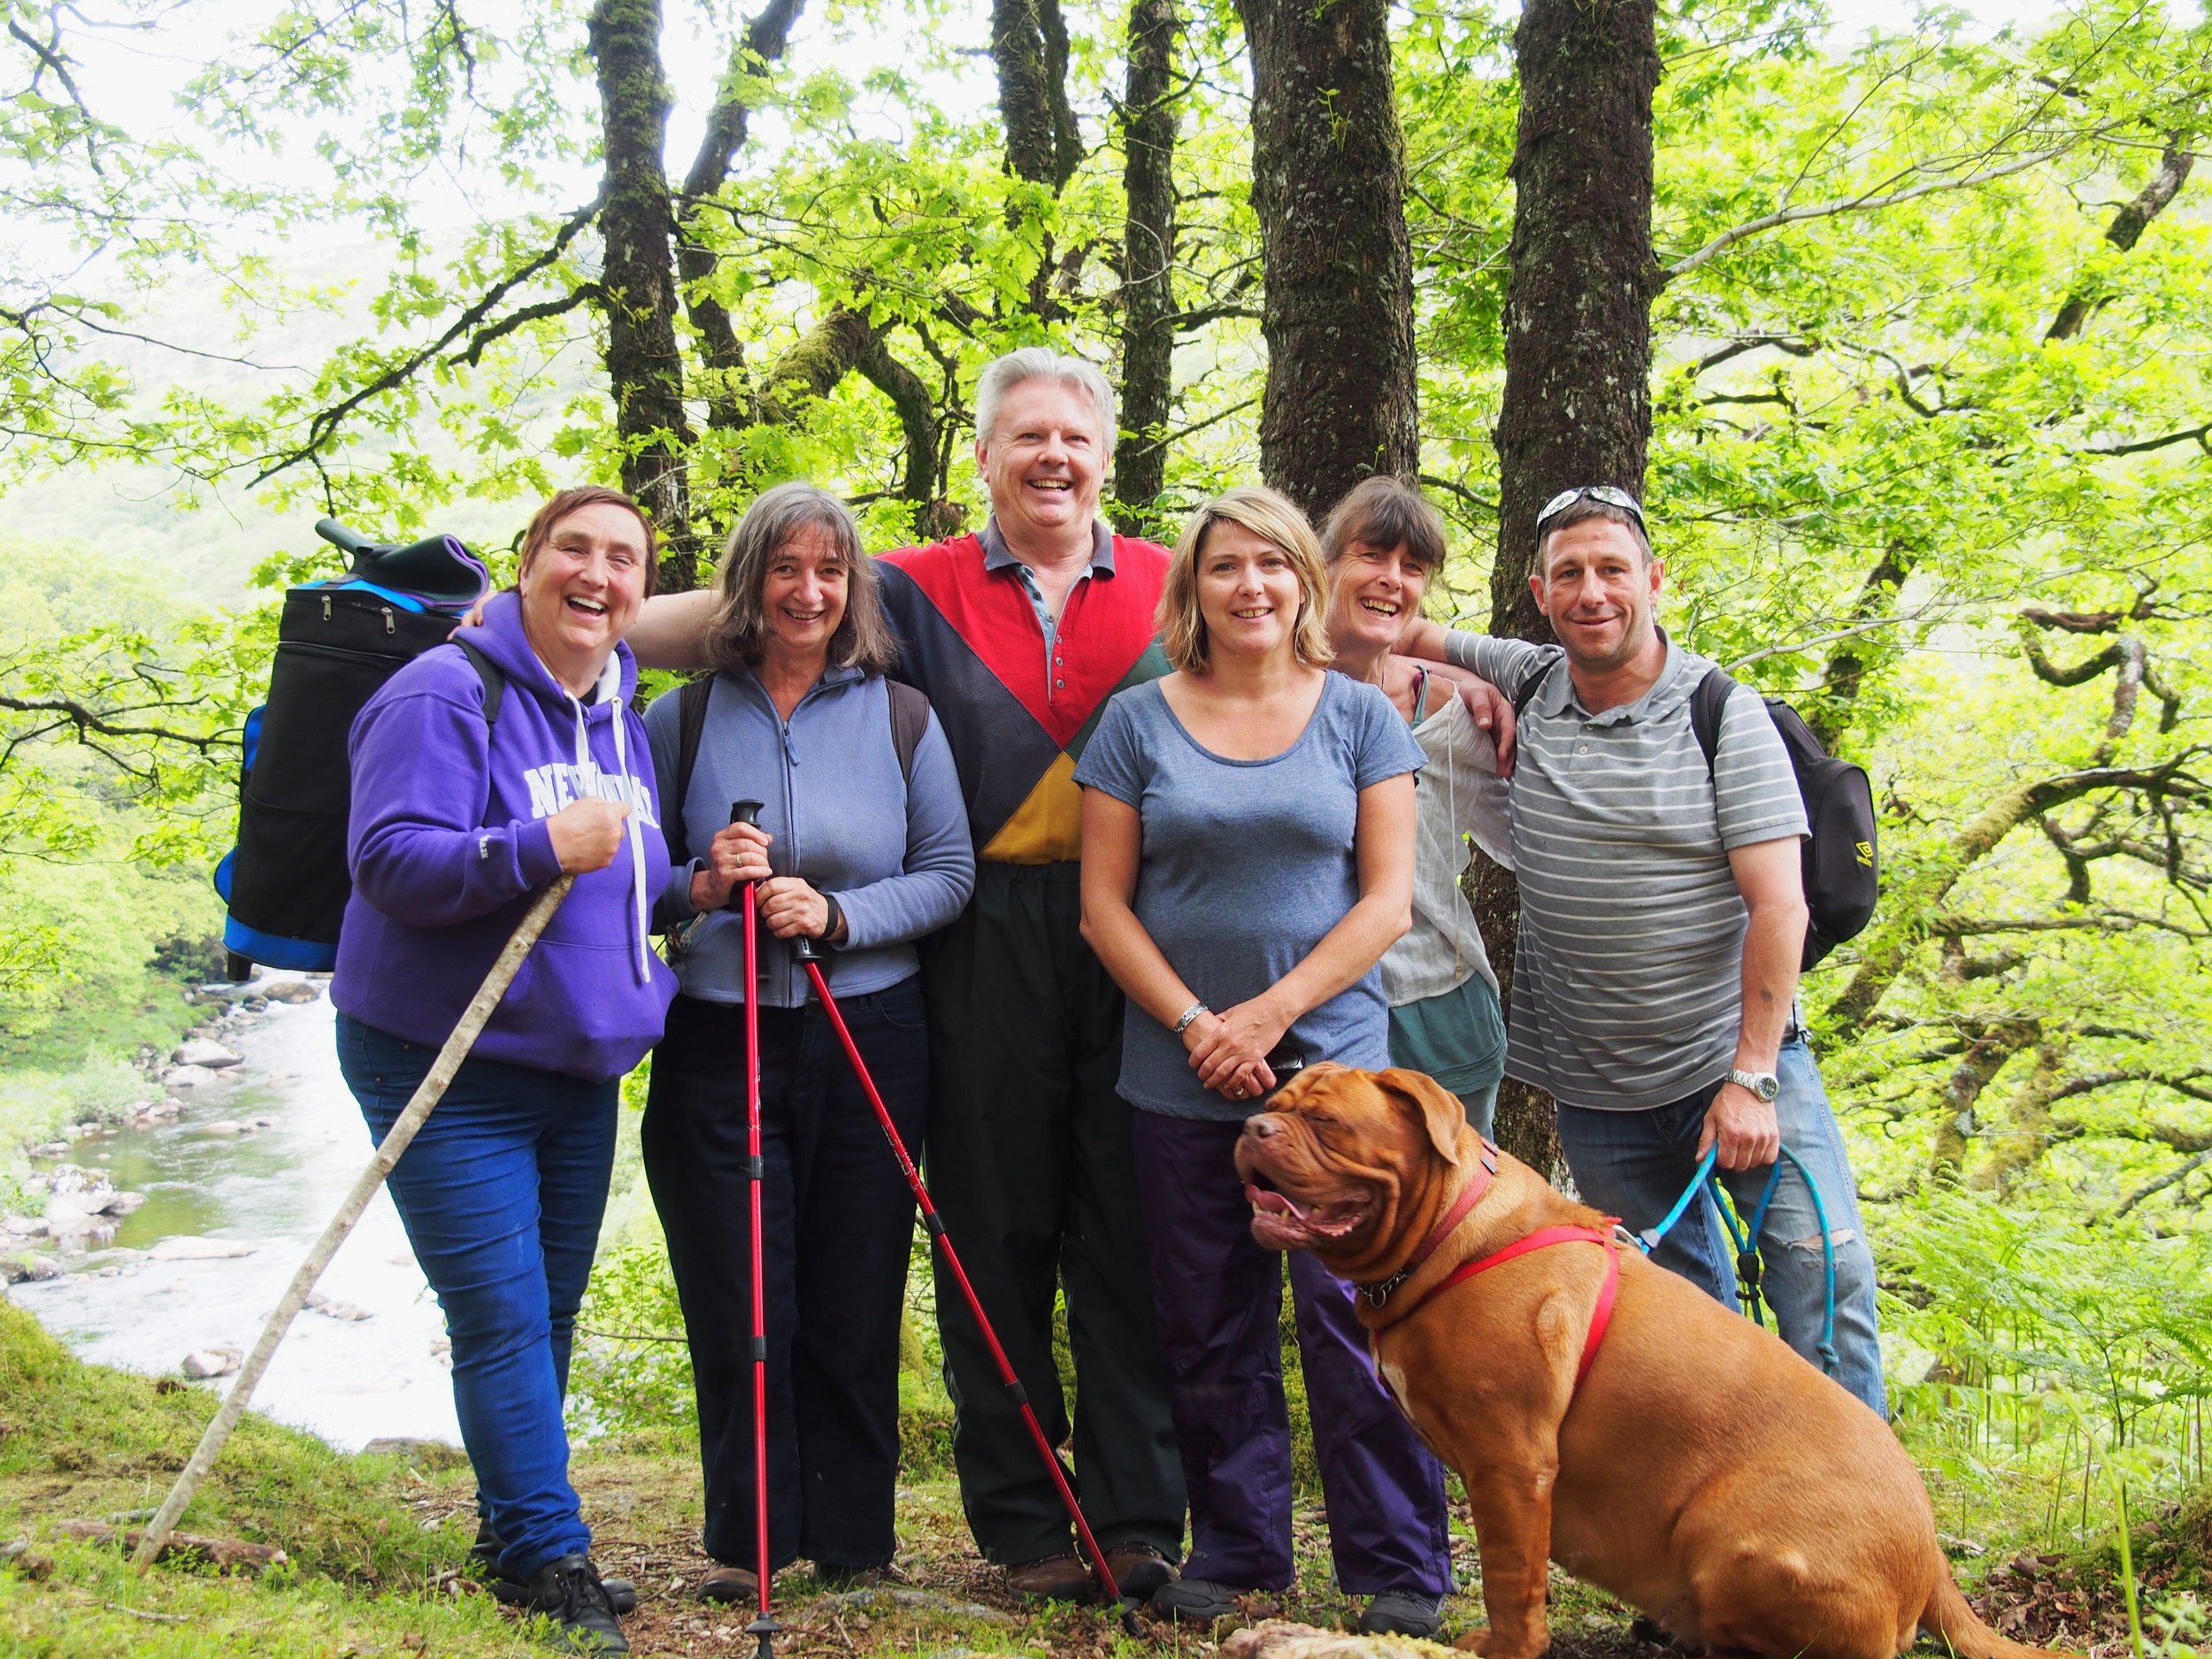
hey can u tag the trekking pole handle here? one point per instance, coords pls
(742, 812)
(808, 949)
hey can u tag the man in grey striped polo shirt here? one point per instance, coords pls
(1663, 918)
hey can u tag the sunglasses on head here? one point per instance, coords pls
(1605, 493)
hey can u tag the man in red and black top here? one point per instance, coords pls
(1019, 636)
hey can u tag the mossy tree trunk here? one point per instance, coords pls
(645, 369)
(1148, 262)
(1328, 183)
(1576, 406)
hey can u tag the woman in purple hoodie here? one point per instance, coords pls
(458, 821)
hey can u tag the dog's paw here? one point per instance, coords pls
(1475, 1640)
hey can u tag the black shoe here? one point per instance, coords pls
(1403, 1613)
(568, 1592)
(483, 1564)
(1195, 1601)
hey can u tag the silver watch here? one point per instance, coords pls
(1765, 1084)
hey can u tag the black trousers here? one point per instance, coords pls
(1032, 1163)
(837, 1222)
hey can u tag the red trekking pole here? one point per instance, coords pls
(810, 952)
(764, 1628)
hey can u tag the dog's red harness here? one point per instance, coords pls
(1600, 1316)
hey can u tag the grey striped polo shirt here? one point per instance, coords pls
(1628, 983)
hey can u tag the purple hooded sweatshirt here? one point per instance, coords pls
(447, 844)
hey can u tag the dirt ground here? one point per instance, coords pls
(949, 1602)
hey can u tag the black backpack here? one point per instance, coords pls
(1841, 865)
(286, 882)
(910, 718)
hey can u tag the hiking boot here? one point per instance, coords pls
(1195, 1601)
(1403, 1613)
(726, 1584)
(1139, 1568)
(1061, 1578)
(483, 1563)
(568, 1592)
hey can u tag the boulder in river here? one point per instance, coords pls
(204, 1052)
(122, 1204)
(52, 1149)
(23, 1226)
(331, 1308)
(226, 1127)
(189, 1077)
(212, 1362)
(290, 991)
(17, 1270)
(186, 1246)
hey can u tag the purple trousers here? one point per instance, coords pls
(1219, 1297)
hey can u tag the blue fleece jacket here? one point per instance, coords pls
(898, 857)
(448, 845)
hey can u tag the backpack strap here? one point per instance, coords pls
(491, 674)
(1706, 703)
(1524, 693)
(691, 721)
(909, 719)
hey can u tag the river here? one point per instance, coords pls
(349, 1381)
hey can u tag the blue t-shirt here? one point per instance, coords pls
(1246, 865)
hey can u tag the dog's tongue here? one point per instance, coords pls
(1273, 1203)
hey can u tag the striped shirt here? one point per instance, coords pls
(1627, 981)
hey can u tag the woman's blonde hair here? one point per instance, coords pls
(1272, 518)
(737, 631)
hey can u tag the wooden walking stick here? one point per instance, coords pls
(394, 1142)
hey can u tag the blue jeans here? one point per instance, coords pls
(1634, 1164)
(502, 1194)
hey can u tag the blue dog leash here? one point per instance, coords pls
(1746, 1238)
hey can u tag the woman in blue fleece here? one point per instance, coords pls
(457, 823)
(867, 850)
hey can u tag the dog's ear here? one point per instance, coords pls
(1436, 1107)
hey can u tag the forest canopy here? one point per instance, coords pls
(1922, 420)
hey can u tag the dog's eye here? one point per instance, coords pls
(1320, 1120)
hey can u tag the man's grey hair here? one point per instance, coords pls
(1042, 363)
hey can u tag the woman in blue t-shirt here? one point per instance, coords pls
(1248, 856)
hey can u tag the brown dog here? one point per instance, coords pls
(1701, 1472)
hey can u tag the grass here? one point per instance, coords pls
(376, 1545)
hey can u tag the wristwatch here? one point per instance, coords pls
(1765, 1084)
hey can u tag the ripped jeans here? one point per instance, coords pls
(1634, 1164)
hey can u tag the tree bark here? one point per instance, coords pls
(1148, 263)
(1576, 406)
(1029, 45)
(728, 124)
(1328, 183)
(644, 369)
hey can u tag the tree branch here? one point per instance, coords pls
(1864, 204)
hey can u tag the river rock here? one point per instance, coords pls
(332, 1309)
(83, 1131)
(212, 1362)
(189, 1077)
(23, 1226)
(123, 1203)
(52, 1149)
(294, 991)
(260, 1123)
(186, 1246)
(165, 1108)
(201, 1051)
(224, 1126)
(26, 1269)
(69, 1213)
